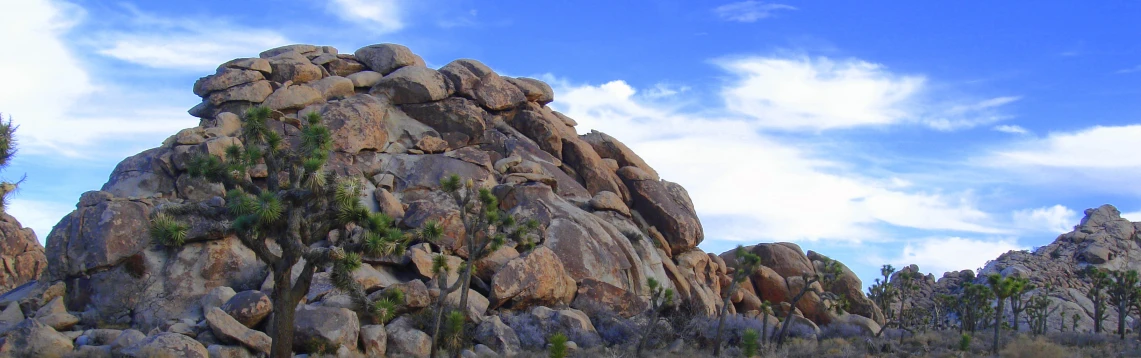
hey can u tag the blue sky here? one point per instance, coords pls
(874, 132)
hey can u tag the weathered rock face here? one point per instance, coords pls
(606, 221)
(21, 254)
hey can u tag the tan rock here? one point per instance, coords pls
(411, 85)
(387, 58)
(225, 78)
(357, 123)
(256, 91)
(365, 78)
(605, 200)
(229, 329)
(333, 87)
(256, 64)
(432, 145)
(537, 278)
(594, 294)
(166, 345)
(293, 98)
(248, 307)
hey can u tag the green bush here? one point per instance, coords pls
(749, 343)
(558, 346)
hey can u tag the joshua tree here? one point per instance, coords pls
(1002, 288)
(1099, 284)
(660, 297)
(746, 263)
(1074, 325)
(828, 272)
(766, 310)
(486, 227)
(1017, 304)
(749, 343)
(882, 293)
(440, 272)
(907, 282)
(298, 204)
(1038, 310)
(1123, 293)
(7, 151)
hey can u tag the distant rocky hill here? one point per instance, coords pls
(607, 221)
(1103, 239)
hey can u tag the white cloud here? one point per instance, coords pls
(1099, 147)
(1055, 219)
(183, 43)
(818, 93)
(40, 216)
(381, 16)
(942, 254)
(1012, 129)
(806, 93)
(60, 107)
(1134, 216)
(749, 11)
(770, 189)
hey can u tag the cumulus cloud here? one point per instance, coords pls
(1129, 70)
(183, 43)
(381, 16)
(1055, 219)
(752, 186)
(749, 11)
(941, 254)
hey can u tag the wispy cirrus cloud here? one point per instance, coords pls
(1012, 129)
(749, 11)
(380, 16)
(1129, 70)
(191, 44)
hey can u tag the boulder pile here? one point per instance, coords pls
(607, 221)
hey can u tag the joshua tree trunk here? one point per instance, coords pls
(998, 323)
(443, 283)
(1122, 313)
(646, 335)
(788, 316)
(721, 320)
(764, 329)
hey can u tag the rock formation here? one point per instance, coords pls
(1102, 240)
(607, 221)
(21, 255)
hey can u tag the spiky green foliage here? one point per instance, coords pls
(745, 264)
(749, 343)
(1017, 301)
(167, 231)
(454, 330)
(1038, 310)
(964, 342)
(296, 205)
(7, 151)
(557, 346)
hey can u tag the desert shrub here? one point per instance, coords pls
(837, 347)
(965, 342)
(615, 330)
(798, 347)
(704, 328)
(841, 330)
(533, 333)
(1078, 339)
(1027, 347)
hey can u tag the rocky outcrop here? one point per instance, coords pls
(21, 255)
(607, 222)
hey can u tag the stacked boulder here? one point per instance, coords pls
(607, 221)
